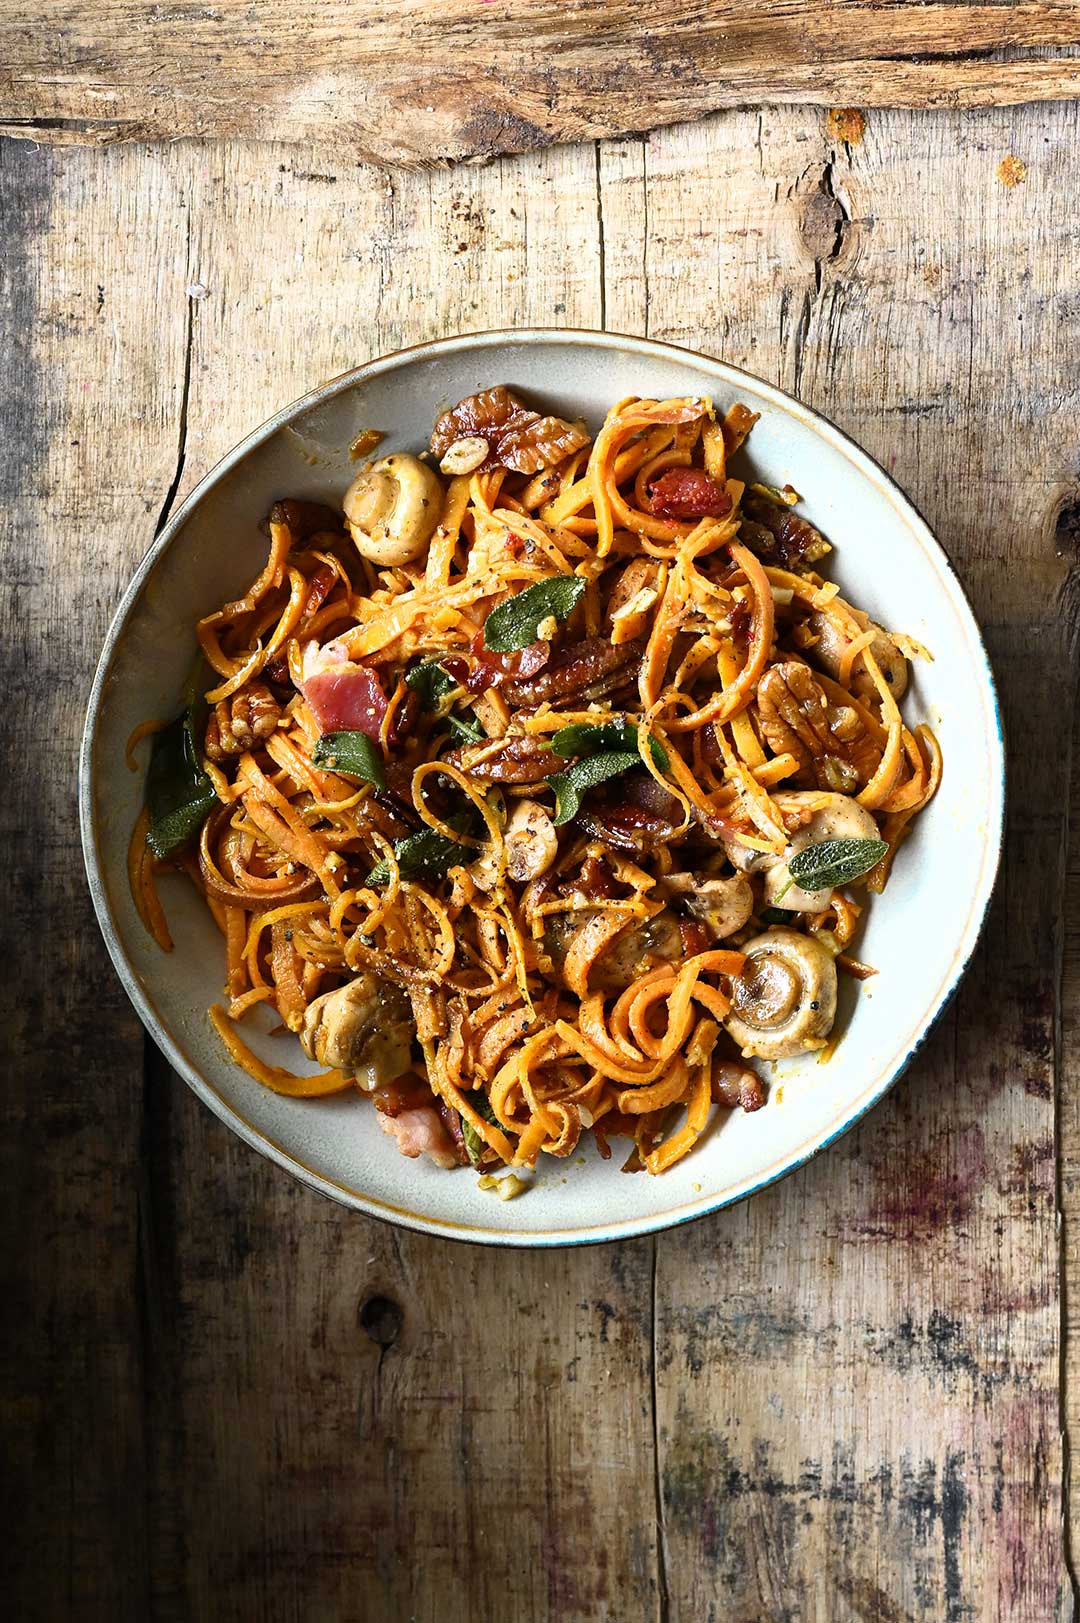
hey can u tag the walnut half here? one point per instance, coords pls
(829, 742)
(235, 724)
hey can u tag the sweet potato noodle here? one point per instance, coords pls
(530, 790)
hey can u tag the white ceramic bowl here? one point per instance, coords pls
(886, 560)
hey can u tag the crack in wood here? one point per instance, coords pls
(662, 1582)
(182, 425)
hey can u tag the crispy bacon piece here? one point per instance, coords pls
(343, 697)
(583, 670)
(734, 1084)
(518, 437)
(688, 493)
(407, 1092)
(420, 1132)
(638, 815)
(305, 518)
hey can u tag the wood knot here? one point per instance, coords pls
(381, 1319)
(824, 222)
(1067, 531)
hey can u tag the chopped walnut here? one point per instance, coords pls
(235, 724)
(828, 741)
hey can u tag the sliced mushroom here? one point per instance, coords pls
(722, 905)
(531, 841)
(834, 817)
(365, 1028)
(784, 1002)
(831, 645)
(632, 952)
(392, 508)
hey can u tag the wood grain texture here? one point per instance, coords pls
(412, 82)
(88, 371)
(875, 1411)
(836, 1404)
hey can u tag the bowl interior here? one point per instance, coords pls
(886, 562)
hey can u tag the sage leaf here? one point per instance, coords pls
(515, 622)
(835, 862)
(466, 731)
(474, 1144)
(584, 738)
(353, 753)
(431, 682)
(179, 795)
(570, 786)
(775, 915)
(426, 854)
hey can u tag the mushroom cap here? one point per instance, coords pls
(364, 1027)
(392, 508)
(835, 817)
(784, 1002)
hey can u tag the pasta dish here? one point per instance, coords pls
(530, 790)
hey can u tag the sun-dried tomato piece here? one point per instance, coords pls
(695, 937)
(320, 586)
(688, 493)
(488, 669)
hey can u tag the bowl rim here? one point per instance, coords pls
(598, 1233)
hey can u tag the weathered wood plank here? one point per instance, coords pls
(393, 1427)
(1067, 537)
(87, 448)
(411, 82)
(857, 1372)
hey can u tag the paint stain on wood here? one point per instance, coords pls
(845, 124)
(1011, 171)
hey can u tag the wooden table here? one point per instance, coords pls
(846, 1400)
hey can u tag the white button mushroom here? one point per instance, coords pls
(837, 817)
(531, 841)
(365, 1027)
(831, 645)
(722, 905)
(784, 1002)
(392, 508)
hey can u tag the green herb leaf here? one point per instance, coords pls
(779, 495)
(835, 862)
(465, 730)
(583, 738)
(570, 786)
(474, 1144)
(775, 915)
(515, 623)
(425, 855)
(431, 682)
(179, 795)
(353, 753)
